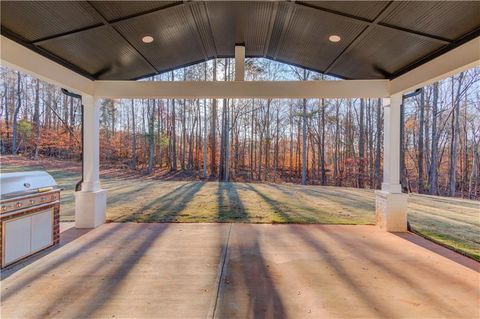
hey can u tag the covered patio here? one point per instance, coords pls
(376, 49)
(242, 271)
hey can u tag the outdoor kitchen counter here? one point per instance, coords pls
(30, 215)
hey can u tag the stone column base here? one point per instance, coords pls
(90, 208)
(391, 211)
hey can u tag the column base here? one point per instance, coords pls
(391, 211)
(90, 208)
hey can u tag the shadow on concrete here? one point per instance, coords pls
(133, 245)
(136, 244)
(331, 258)
(368, 299)
(66, 237)
(46, 265)
(440, 250)
(246, 282)
(370, 252)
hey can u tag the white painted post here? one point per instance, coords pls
(391, 203)
(239, 62)
(91, 201)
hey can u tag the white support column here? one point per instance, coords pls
(391, 203)
(91, 201)
(239, 62)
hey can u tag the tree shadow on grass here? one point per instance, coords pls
(282, 211)
(123, 196)
(230, 206)
(165, 208)
(333, 207)
(336, 195)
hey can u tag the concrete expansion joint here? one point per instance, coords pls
(220, 276)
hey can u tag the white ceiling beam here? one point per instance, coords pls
(457, 60)
(243, 89)
(23, 59)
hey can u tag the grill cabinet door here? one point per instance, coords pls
(42, 229)
(17, 239)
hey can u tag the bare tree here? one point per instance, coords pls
(15, 114)
(420, 150)
(433, 171)
(36, 118)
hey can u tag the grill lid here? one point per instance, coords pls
(24, 182)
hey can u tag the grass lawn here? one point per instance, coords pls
(452, 222)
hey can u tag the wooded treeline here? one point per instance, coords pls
(310, 141)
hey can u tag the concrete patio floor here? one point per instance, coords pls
(241, 271)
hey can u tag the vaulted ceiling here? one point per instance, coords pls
(103, 39)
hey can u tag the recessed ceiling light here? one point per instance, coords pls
(334, 38)
(147, 39)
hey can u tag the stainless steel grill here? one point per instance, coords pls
(29, 218)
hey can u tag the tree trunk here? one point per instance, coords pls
(452, 182)
(133, 163)
(420, 142)
(36, 119)
(474, 172)
(433, 174)
(15, 114)
(184, 129)
(378, 149)
(267, 139)
(213, 128)
(304, 136)
(337, 141)
(174, 135)
(151, 135)
(277, 136)
(361, 146)
(465, 149)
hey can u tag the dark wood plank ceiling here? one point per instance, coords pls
(102, 39)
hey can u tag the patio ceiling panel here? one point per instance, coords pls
(241, 22)
(444, 19)
(282, 15)
(114, 10)
(383, 52)
(101, 52)
(367, 10)
(176, 41)
(35, 20)
(305, 38)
